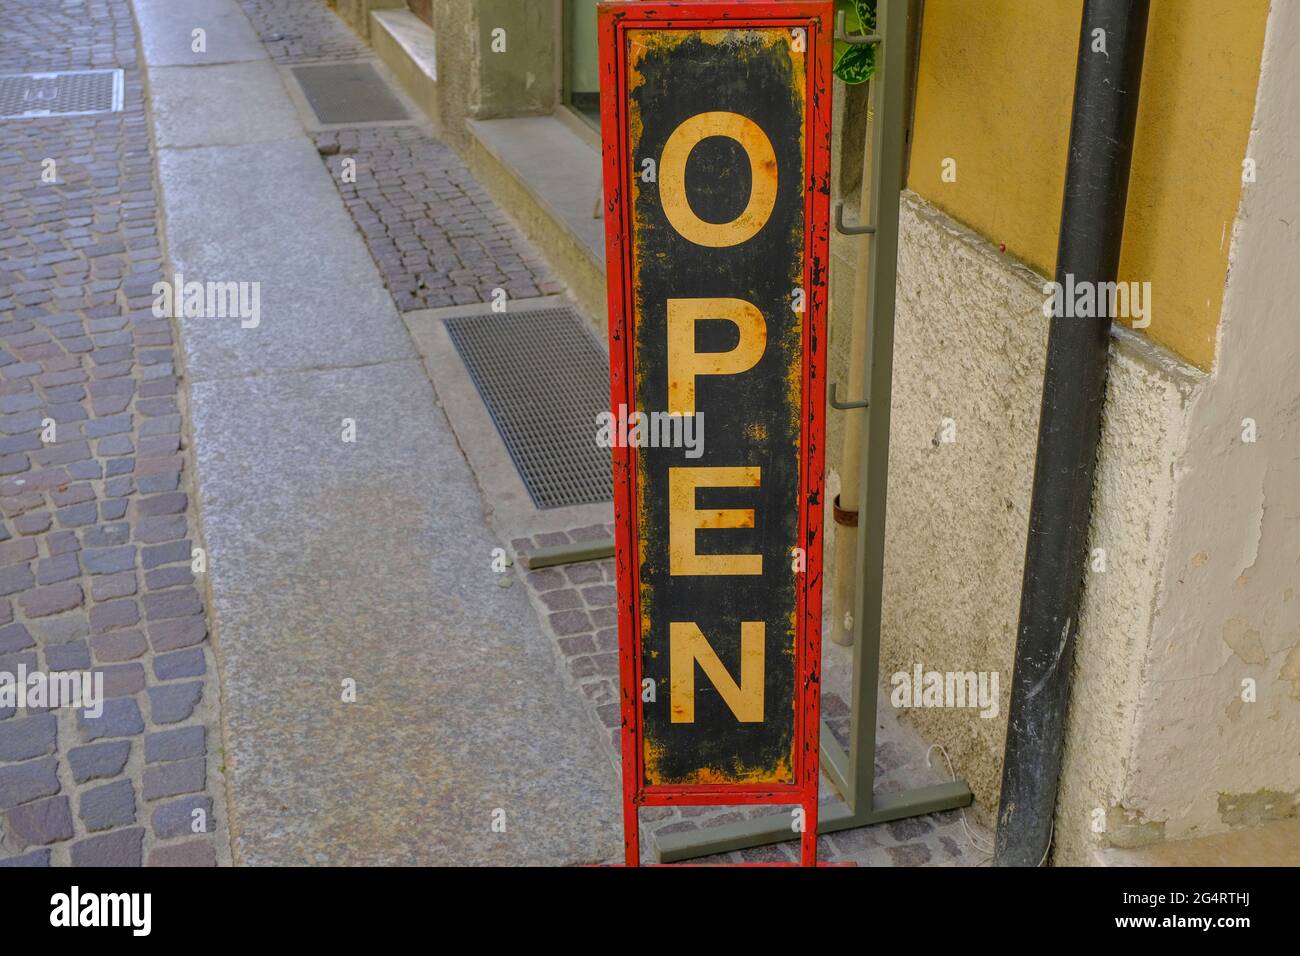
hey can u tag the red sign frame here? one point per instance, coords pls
(816, 17)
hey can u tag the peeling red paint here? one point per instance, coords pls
(615, 19)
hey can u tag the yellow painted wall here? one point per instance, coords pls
(994, 92)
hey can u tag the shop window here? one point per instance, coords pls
(581, 67)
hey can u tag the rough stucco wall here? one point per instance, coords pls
(1201, 529)
(970, 344)
(1229, 609)
(995, 86)
(521, 80)
(477, 83)
(456, 40)
(1149, 396)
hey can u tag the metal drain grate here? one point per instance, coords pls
(348, 93)
(71, 93)
(544, 380)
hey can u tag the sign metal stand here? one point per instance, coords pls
(719, 312)
(853, 772)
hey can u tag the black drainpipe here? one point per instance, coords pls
(1092, 225)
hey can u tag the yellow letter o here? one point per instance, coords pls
(672, 179)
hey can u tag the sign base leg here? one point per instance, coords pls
(832, 817)
(775, 828)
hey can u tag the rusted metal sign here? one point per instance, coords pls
(715, 122)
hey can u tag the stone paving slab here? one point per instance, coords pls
(96, 519)
(322, 302)
(167, 32)
(365, 561)
(229, 104)
(371, 561)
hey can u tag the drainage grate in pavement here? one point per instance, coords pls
(544, 380)
(70, 93)
(348, 93)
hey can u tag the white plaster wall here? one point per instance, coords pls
(1201, 530)
(970, 345)
(1228, 609)
(1149, 397)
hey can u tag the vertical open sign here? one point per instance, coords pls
(716, 141)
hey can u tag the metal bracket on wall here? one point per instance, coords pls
(846, 230)
(847, 404)
(852, 772)
(842, 32)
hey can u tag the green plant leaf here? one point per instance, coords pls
(856, 63)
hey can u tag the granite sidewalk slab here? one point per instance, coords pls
(385, 700)
(168, 33)
(267, 213)
(369, 561)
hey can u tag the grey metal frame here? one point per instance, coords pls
(853, 772)
(594, 550)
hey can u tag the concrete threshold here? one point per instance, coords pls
(549, 178)
(384, 700)
(406, 45)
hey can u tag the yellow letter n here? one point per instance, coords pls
(687, 645)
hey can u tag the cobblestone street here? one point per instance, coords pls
(435, 234)
(579, 603)
(98, 523)
(295, 32)
(181, 517)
